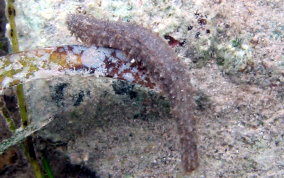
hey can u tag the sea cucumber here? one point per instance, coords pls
(163, 66)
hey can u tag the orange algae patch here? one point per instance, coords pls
(65, 57)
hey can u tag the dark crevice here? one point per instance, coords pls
(4, 43)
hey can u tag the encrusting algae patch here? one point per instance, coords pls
(72, 59)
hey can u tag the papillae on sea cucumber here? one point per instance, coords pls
(163, 66)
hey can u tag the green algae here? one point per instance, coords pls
(11, 124)
(7, 117)
(22, 105)
(33, 162)
(11, 13)
(231, 56)
(46, 166)
(237, 43)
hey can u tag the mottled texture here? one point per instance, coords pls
(165, 69)
(238, 135)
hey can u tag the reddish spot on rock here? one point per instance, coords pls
(173, 42)
(202, 22)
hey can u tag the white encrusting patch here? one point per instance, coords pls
(21, 75)
(120, 54)
(46, 73)
(44, 56)
(71, 58)
(17, 66)
(14, 57)
(9, 67)
(124, 67)
(78, 49)
(93, 59)
(134, 69)
(106, 51)
(6, 81)
(129, 77)
(31, 54)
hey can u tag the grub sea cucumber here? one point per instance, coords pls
(163, 66)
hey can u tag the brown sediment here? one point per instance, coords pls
(163, 67)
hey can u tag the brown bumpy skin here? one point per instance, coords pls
(165, 69)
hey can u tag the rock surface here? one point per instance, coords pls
(235, 53)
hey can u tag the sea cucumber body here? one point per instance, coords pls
(164, 67)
